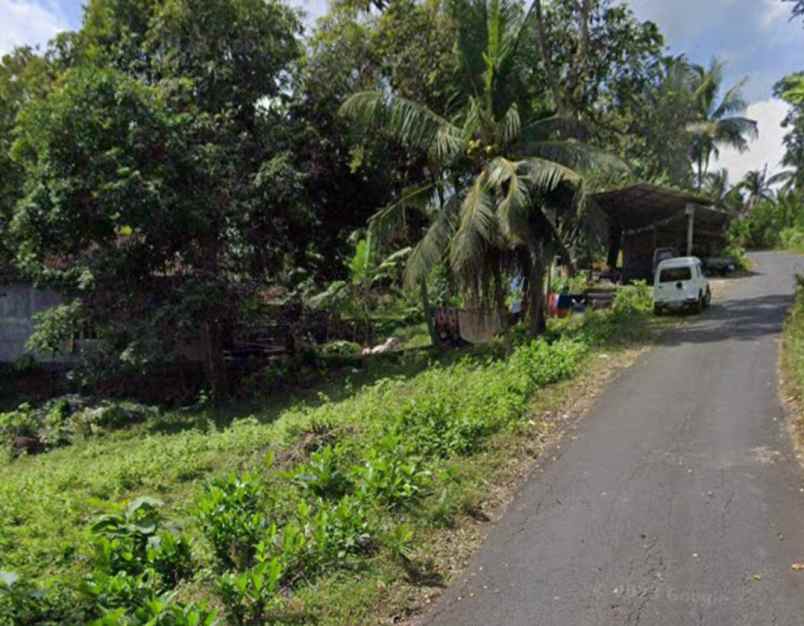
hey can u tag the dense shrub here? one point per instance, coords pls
(391, 475)
(323, 475)
(633, 300)
(23, 603)
(58, 422)
(135, 560)
(231, 514)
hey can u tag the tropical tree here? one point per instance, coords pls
(24, 78)
(658, 141)
(759, 186)
(495, 195)
(718, 124)
(789, 89)
(159, 188)
(798, 7)
(722, 193)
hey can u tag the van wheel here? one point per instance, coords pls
(700, 305)
(657, 310)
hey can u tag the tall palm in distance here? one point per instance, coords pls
(501, 177)
(719, 123)
(717, 187)
(759, 186)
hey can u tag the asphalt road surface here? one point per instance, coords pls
(679, 503)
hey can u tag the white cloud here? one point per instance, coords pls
(774, 11)
(24, 22)
(768, 149)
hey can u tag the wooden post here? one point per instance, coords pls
(615, 243)
(690, 227)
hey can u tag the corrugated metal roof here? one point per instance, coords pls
(640, 206)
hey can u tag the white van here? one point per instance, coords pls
(680, 283)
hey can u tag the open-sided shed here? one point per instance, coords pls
(645, 217)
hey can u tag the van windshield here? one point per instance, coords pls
(675, 274)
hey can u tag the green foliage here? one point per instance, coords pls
(156, 612)
(392, 475)
(322, 511)
(248, 595)
(231, 516)
(633, 300)
(56, 328)
(20, 423)
(23, 603)
(134, 560)
(432, 427)
(59, 422)
(792, 239)
(762, 228)
(323, 475)
(341, 348)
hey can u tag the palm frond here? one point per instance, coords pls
(782, 177)
(555, 126)
(733, 101)
(434, 246)
(410, 123)
(544, 176)
(510, 126)
(514, 206)
(478, 228)
(573, 155)
(735, 132)
(389, 220)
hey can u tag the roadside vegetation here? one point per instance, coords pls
(770, 206)
(792, 363)
(317, 513)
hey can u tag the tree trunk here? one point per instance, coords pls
(428, 314)
(536, 318)
(215, 361)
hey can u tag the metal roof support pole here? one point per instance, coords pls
(690, 227)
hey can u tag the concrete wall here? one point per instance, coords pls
(18, 304)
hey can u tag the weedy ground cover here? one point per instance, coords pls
(315, 513)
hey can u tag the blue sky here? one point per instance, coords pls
(755, 37)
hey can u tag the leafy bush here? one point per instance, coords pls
(156, 612)
(341, 348)
(231, 515)
(433, 427)
(792, 238)
(248, 595)
(23, 422)
(322, 474)
(391, 475)
(315, 538)
(543, 363)
(135, 561)
(633, 300)
(59, 421)
(23, 603)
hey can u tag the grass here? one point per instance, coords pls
(792, 364)
(419, 449)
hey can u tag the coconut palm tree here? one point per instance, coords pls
(718, 124)
(501, 181)
(717, 187)
(759, 186)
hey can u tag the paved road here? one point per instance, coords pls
(679, 503)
